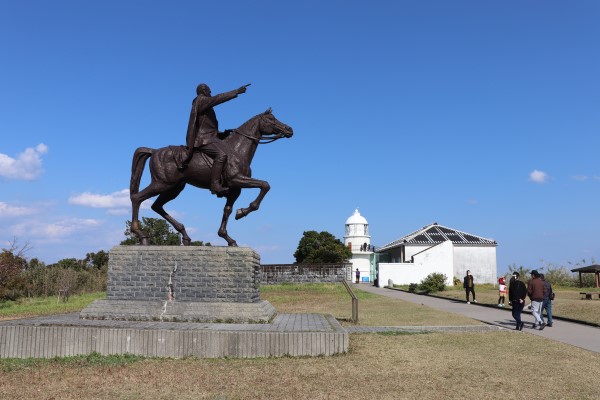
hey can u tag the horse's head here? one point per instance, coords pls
(270, 126)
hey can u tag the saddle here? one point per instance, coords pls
(180, 152)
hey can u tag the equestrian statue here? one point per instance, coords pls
(211, 160)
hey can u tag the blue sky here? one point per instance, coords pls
(478, 115)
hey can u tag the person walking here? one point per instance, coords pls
(469, 286)
(517, 292)
(501, 291)
(547, 302)
(536, 292)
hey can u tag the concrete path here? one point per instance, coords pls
(583, 336)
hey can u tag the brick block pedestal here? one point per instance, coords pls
(182, 283)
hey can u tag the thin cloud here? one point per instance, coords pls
(117, 203)
(265, 228)
(580, 178)
(8, 211)
(538, 176)
(118, 199)
(54, 230)
(26, 166)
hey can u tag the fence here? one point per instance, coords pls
(304, 273)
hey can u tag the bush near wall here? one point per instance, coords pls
(433, 283)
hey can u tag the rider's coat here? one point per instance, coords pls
(204, 126)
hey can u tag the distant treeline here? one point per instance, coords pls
(33, 278)
(22, 278)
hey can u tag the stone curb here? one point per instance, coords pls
(425, 329)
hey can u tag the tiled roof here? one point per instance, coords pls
(434, 234)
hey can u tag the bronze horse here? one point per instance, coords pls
(167, 181)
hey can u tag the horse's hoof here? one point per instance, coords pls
(233, 244)
(186, 242)
(144, 241)
(239, 214)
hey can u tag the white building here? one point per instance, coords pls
(358, 240)
(436, 249)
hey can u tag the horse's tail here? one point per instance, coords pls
(137, 167)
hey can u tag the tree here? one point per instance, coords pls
(96, 260)
(12, 265)
(158, 230)
(68, 263)
(523, 272)
(321, 247)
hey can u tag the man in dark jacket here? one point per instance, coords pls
(517, 292)
(469, 286)
(547, 303)
(535, 290)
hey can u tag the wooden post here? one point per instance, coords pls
(354, 302)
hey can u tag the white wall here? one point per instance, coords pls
(363, 263)
(436, 259)
(414, 249)
(481, 261)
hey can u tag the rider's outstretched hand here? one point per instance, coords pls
(242, 89)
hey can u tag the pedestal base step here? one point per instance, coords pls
(130, 310)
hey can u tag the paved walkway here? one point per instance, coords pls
(583, 336)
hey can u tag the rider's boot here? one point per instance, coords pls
(186, 160)
(215, 178)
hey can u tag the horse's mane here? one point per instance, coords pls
(243, 127)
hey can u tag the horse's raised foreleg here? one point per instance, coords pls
(246, 182)
(163, 199)
(234, 193)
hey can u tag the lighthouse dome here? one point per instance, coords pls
(356, 218)
(357, 228)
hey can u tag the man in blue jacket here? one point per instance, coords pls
(547, 302)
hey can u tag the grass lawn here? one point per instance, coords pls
(568, 302)
(496, 365)
(37, 306)
(373, 310)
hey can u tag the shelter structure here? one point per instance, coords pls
(436, 249)
(590, 269)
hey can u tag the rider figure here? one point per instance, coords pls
(202, 132)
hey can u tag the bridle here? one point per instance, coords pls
(262, 139)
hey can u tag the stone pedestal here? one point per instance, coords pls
(182, 283)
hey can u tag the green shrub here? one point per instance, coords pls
(433, 283)
(413, 287)
(456, 281)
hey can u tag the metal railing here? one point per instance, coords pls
(359, 248)
(354, 302)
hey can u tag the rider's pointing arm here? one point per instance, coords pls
(205, 102)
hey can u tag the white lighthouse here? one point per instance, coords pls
(358, 240)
